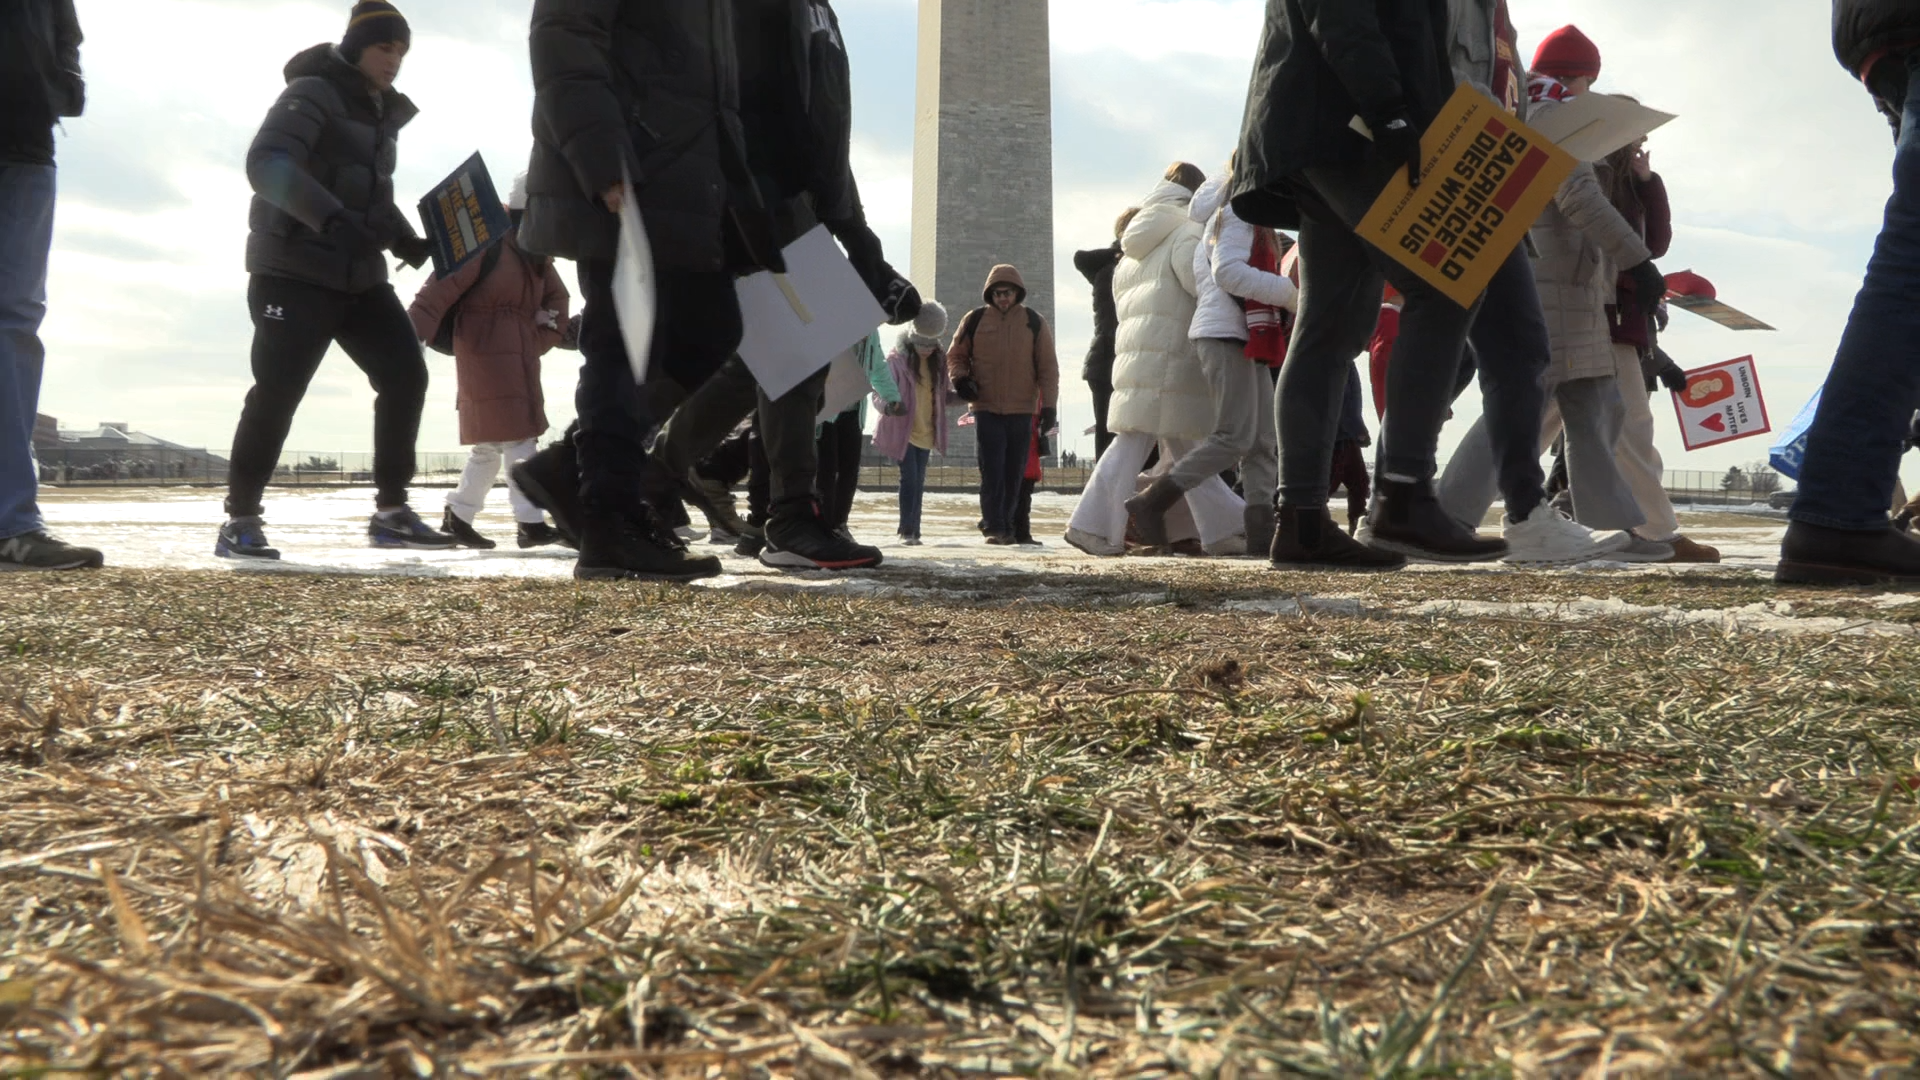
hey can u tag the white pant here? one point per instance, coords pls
(483, 468)
(1638, 459)
(1218, 513)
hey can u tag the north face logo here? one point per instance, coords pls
(275, 312)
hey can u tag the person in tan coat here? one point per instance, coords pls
(511, 309)
(1002, 361)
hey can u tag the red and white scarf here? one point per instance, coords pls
(1547, 88)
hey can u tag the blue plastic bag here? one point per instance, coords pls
(1791, 450)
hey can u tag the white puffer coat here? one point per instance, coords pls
(1584, 244)
(1223, 272)
(1157, 386)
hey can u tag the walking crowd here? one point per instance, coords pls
(1229, 311)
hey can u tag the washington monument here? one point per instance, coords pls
(983, 154)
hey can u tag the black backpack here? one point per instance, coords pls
(443, 335)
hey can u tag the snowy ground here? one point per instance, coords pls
(324, 531)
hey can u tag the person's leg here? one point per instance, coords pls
(1857, 438)
(1339, 303)
(993, 437)
(793, 454)
(1102, 401)
(759, 478)
(913, 490)
(377, 335)
(846, 480)
(26, 239)
(524, 510)
(1594, 418)
(1512, 349)
(483, 467)
(1231, 380)
(1219, 516)
(826, 451)
(1017, 436)
(1471, 483)
(1635, 455)
(702, 423)
(1023, 511)
(1099, 520)
(730, 462)
(293, 325)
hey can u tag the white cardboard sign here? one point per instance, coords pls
(1722, 403)
(635, 300)
(797, 322)
(1591, 126)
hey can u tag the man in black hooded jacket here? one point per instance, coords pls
(39, 83)
(1305, 164)
(1840, 533)
(795, 115)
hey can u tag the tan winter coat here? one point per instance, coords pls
(497, 345)
(1584, 244)
(1003, 355)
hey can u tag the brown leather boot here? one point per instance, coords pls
(1306, 538)
(1149, 511)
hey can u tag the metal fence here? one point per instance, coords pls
(151, 466)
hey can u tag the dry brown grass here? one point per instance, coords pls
(344, 827)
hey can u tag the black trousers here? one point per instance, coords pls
(1102, 400)
(293, 325)
(1003, 440)
(785, 424)
(839, 476)
(697, 329)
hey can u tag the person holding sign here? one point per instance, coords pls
(322, 221)
(1840, 533)
(1341, 92)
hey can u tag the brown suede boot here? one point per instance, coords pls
(1149, 511)
(1306, 538)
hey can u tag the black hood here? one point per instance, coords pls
(325, 62)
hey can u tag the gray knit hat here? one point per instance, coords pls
(930, 326)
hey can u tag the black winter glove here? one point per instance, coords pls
(412, 250)
(1049, 419)
(901, 301)
(1673, 378)
(1396, 140)
(967, 388)
(350, 231)
(895, 408)
(1649, 285)
(570, 338)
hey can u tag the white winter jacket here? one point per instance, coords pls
(1157, 386)
(1222, 271)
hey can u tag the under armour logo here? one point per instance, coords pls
(276, 312)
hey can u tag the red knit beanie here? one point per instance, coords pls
(1567, 54)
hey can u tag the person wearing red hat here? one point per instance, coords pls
(1566, 55)
(1840, 532)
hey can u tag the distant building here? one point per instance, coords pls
(114, 451)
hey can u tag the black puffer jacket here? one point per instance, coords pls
(1320, 64)
(1097, 266)
(652, 84)
(328, 146)
(39, 76)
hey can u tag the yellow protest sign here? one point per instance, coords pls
(1485, 178)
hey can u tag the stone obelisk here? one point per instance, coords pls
(982, 155)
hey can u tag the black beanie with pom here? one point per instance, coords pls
(374, 22)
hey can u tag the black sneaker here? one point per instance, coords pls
(636, 547)
(403, 528)
(244, 538)
(751, 544)
(539, 534)
(463, 532)
(37, 551)
(805, 543)
(550, 480)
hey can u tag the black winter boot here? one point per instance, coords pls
(1259, 522)
(1816, 555)
(1306, 538)
(464, 532)
(635, 546)
(550, 480)
(539, 534)
(1149, 511)
(1411, 521)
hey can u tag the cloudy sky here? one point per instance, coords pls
(1778, 167)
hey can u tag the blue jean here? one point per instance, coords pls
(26, 239)
(913, 489)
(1854, 446)
(1003, 440)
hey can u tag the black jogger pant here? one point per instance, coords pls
(839, 472)
(293, 325)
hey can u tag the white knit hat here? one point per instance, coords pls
(930, 324)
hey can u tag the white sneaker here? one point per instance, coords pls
(1094, 545)
(1551, 538)
(1231, 547)
(1643, 551)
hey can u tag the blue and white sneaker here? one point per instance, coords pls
(244, 538)
(403, 528)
